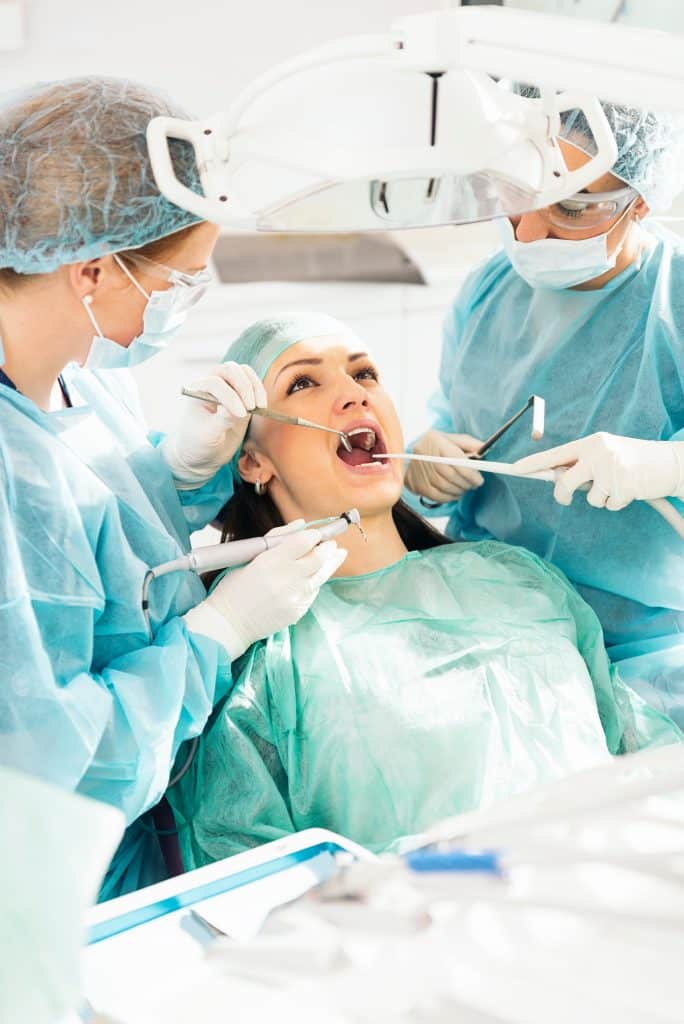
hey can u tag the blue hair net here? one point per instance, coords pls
(261, 343)
(650, 147)
(650, 150)
(75, 174)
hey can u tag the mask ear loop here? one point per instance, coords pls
(87, 302)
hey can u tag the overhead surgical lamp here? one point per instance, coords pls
(411, 129)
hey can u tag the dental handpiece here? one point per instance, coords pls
(239, 552)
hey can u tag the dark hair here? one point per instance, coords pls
(249, 515)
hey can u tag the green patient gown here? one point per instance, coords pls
(451, 679)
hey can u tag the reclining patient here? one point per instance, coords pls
(428, 678)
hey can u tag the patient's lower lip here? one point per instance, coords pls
(368, 467)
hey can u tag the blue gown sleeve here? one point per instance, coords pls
(202, 504)
(112, 733)
(236, 794)
(629, 723)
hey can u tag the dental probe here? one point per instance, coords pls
(502, 468)
(280, 417)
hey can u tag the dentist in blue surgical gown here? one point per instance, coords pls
(584, 305)
(97, 271)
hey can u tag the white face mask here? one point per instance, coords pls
(558, 262)
(165, 314)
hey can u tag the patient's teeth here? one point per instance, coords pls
(369, 441)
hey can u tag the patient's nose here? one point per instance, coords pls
(352, 394)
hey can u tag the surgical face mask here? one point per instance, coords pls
(559, 263)
(165, 313)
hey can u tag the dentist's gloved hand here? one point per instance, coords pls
(270, 593)
(620, 469)
(438, 482)
(208, 436)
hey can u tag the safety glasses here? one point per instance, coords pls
(584, 211)
(195, 284)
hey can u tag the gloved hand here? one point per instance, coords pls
(621, 468)
(209, 435)
(438, 482)
(271, 592)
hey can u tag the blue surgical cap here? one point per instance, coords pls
(650, 148)
(75, 175)
(261, 344)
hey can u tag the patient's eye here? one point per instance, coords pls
(301, 381)
(367, 373)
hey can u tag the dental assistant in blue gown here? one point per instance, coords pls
(585, 307)
(97, 271)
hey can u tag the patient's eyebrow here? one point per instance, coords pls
(316, 361)
(299, 362)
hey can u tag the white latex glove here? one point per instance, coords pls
(620, 469)
(438, 482)
(208, 435)
(268, 594)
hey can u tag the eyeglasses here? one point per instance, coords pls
(190, 287)
(169, 274)
(584, 211)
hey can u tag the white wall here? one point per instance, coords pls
(202, 52)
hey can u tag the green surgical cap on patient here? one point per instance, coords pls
(261, 344)
(76, 180)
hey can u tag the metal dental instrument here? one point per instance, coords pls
(538, 406)
(280, 417)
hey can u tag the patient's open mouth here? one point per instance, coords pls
(366, 441)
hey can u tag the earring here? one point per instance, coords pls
(259, 489)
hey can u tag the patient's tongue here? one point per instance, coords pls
(355, 457)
